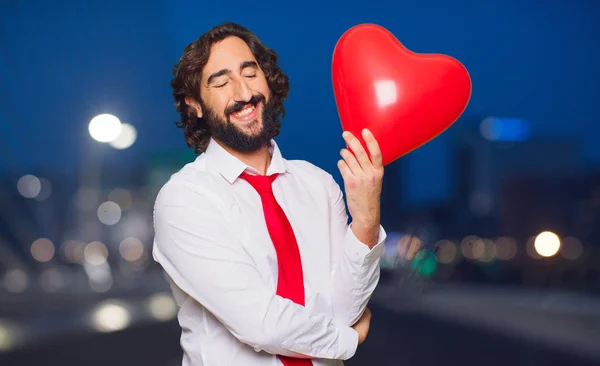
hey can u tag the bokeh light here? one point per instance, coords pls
(111, 317)
(109, 213)
(29, 186)
(45, 190)
(53, 279)
(424, 263)
(487, 250)
(409, 246)
(42, 250)
(547, 244)
(506, 248)
(9, 334)
(571, 248)
(15, 280)
(95, 253)
(126, 138)
(105, 128)
(131, 249)
(162, 307)
(472, 247)
(447, 251)
(73, 251)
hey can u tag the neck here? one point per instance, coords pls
(259, 159)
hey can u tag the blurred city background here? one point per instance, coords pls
(493, 255)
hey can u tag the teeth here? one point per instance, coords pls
(245, 111)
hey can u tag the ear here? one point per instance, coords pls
(195, 105)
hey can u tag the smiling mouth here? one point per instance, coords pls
(244, 112)
(248, 113)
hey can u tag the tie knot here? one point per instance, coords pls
(261, 183)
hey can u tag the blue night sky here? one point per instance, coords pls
(60, 65)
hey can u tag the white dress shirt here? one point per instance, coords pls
(213, 243)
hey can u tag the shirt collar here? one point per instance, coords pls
(221, 161)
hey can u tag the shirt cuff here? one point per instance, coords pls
(359, 252)
(348, 343)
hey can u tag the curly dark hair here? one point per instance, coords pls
(187, 74)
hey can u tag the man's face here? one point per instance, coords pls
(235, 97)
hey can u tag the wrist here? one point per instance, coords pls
(365, 223)
(366, 232)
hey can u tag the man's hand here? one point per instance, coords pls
(362, 182)
(362, 325)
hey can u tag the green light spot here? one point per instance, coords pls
(425, 263)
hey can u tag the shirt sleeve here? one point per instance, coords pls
(355, 267)
(198, 250)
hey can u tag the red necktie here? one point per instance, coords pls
(290, 281)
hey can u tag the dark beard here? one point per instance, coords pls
(230, 135)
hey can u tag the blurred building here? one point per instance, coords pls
(494, 161)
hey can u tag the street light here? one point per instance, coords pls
(547, 244)
(105, 128)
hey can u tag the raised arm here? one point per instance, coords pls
(355, 266)
(356, 248)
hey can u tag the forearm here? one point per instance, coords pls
(355, 253)
(355, 276)
(199, 253)
(265, 321)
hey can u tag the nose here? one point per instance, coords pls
(242, 92)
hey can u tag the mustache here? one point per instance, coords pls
(238, 106)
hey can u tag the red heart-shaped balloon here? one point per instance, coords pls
(405, 99)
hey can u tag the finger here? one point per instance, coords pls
(353, 164)
(358, 150)
(344, 169)
(374, 150)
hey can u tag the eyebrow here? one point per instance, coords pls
(244, 65)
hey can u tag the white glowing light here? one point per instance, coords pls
(547, 244)
(126, 138)
(162, 307)
(105, 128)
(109, 213)
(9, 335)
(111, 317)
(29, 186)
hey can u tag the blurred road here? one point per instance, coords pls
(436, 326)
